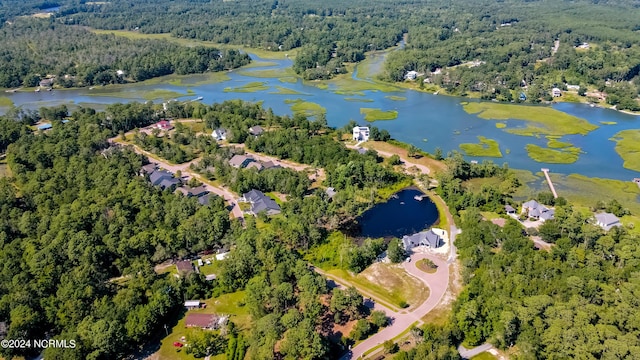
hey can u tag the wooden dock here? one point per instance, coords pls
(553, 189)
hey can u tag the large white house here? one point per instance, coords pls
(607, 221)
(361, 133)
(219, 134)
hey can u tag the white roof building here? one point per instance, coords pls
(411, 75)
(361, 133)
(607, 221)
(219, 134)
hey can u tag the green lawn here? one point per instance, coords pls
(371, 114)
(554, 143)
(540, 120)
(566, 155)
(484, 356)
(248, 88)
(486, 147)
(228, 304)
(628, 147)
(608, 122)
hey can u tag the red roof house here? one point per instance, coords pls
(164, 125)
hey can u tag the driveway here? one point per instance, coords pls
(437, 284)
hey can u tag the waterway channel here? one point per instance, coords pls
(426, 120)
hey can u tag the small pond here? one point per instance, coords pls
(401, 215)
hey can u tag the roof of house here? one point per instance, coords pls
(256, 130)
(192, 303)
(200, 320)
(210, 277)
(256, 165)
(149, 168)
(219, 132)
(509, 208)
(607, 219)
(184, 266)
(261, 202)
(157, 176)
(205, 199)
(547, 215)
(166, 183)
(240, 160)
(196, 191)
(45, 126)
(361, 128)
(331, 192)
(428, 238)
(269, 165)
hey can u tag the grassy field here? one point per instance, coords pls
(5, 171)
(484, 356)
(541, 120)
(628, 147)
(585, 191)
(399, 148)
(307, 108)
(227, 304)
(257, 64)
(270, 73)
(5, 101)
(396, 98)
(248, 88)
(187, 80)
(388, 283)
(566, 155)
(286, 91)
(486, 147)
(371, 114)
(476, 184)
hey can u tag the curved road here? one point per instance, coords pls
(437, 283)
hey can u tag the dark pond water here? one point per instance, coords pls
(401, 215)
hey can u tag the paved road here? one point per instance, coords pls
(187, 174)
(437, 283)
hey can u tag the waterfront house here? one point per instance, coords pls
(535, 210)
(607, 221)
(411, 75)
(164, 125)
(361, 133)
(555, 92)
(425, 238)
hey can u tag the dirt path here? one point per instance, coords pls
(437, 283)
(405, 162)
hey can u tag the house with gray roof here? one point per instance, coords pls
(534, 209)
(331, 192)
(509, 209)
(241, 161)
(607, 221)
(260, 202)
(219, 134)
(425, 238)
(148, 169)
(206, 199)
(163, 179)
(188, 191)
(256, 130)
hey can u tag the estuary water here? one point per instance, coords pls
(425, 120)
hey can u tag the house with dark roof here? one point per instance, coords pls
(260, 203)
(241, 161)
(184, 267)
(148, 169)
(163, 179)
(206, 199)
(256, 130)
(607, 221)
(191, 192)
(535, 210)
(509, 209)
(425, 238)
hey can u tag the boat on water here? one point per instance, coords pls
(38, 90)
(418, 197)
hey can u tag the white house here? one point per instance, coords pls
(535, 210)
(361, 133)
(219, 134)
(607, 221)
(555, 92)
(411, 75)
